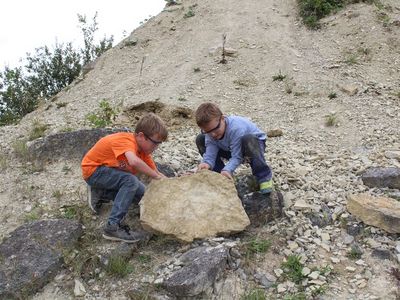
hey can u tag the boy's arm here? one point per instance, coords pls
(236, 153)
(141, 166)
(210, 155)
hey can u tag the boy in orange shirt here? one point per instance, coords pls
(109, 167)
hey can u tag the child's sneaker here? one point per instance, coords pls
(94, 199)
(266, 187)
(122, 233)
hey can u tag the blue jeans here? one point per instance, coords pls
(252, 148)
(125, 188)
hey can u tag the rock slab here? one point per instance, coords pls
(191, 207)
(200, 268)
(382, 177)
(32, 255)
(381, 212)
(261, 208)
(68, 145)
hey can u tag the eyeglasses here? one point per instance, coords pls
(214, 129)
(157, 143)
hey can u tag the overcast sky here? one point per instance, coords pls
(29, 24)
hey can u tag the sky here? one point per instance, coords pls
(29, 24)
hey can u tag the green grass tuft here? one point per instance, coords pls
(293, 268)
(118, 266)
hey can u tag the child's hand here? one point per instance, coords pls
(227, 174)
(203, 166)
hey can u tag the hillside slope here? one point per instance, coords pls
(174, 60)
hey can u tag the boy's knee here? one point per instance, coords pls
(249, 140)
(131, 181)
(250, 145)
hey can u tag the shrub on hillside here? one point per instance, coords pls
(46, 73)
(311, 11)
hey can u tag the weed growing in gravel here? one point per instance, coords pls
(118, 266)
(354, 254)
(331, 120)
(258, 246)
(332, 95)
(38, 130)
(104, 116)
(57, 194)
(3, 162)
(66, 129)
(61, 104)
(351, 59)
(278, 77)
(182, 99)
(21, 150)
(144, 258)
(292, 268)
(297, 296)
(383, 18)
(34, 215)
(190, 13)
(170, 2)
(254, 294)
(70, 212)
(318, 291)
(66, 169)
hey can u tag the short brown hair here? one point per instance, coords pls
(207, 112)
(151, 124)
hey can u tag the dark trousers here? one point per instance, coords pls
(123, 187)
(252, 148)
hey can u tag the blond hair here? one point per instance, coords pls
(207, 112)
(151, 124)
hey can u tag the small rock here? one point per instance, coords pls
(393, 154)
(335, 260)
(382, 254)
(305, 271)
(351, 269)
(281, 288)
(79, 289)
(325, 237)
(350, 89)
(314, 275)
(274, 132)
(278, 272)
(293, 245)
(325, 247)
(347, 239)
(360, 262)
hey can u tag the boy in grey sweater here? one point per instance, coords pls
(232, 138)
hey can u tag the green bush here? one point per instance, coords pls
(46, 73)
(313, 10)
(103, 117)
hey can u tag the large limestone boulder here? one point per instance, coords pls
(381, 212)
(193, 207)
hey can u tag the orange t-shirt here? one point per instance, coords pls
(110, 151)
